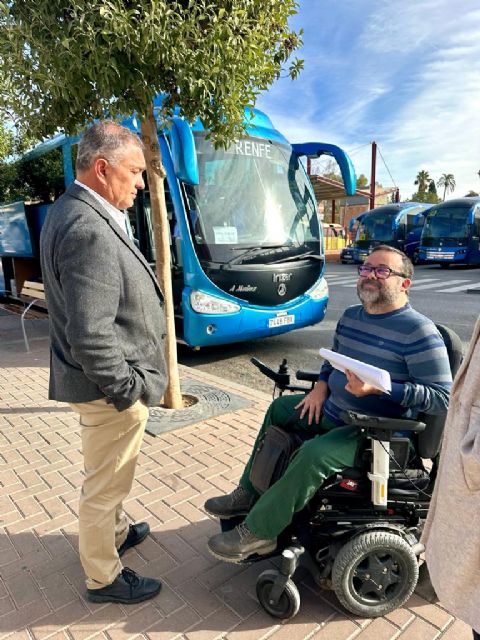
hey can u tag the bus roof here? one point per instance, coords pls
(395, 208)
(258, 124)
(470, 201)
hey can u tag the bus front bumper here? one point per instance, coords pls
(201, 330)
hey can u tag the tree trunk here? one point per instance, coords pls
(161, 236)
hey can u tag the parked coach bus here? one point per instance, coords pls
(397, 225)
(246, 245)
(451, 233)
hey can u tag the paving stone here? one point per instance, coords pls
(378, 629)
(432, 613)
(215, 625)
(419, 630)
(337, 628)
(174, 625)
(457, 631)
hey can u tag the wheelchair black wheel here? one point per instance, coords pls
(374, 573)
(288, 603)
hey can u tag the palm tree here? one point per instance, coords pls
(447, 181)
(422, 180)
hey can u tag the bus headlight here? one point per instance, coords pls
(204, 303)
(319, 291)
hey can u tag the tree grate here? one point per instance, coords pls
(212, 402)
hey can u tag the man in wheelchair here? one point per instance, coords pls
(384, 331)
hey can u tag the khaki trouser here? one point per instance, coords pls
(111, 443)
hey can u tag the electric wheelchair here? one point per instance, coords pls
(360, 534)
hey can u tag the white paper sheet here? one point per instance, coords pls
(375, 376)
(225, 235)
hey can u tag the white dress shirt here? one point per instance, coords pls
(117, 215)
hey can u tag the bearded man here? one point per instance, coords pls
(384, 331)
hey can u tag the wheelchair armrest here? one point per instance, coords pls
(374, 423)
(309, 376)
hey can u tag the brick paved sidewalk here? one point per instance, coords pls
(41, 581)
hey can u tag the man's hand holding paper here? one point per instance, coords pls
(378, 380)
(358, 387)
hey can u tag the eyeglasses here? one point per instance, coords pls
(382, 273)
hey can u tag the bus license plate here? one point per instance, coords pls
(281, 321)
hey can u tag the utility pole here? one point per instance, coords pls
(372, 175)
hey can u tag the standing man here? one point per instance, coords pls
(383, 331)
(107, 328)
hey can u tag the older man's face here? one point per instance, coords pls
(377, 292)
(124, 178)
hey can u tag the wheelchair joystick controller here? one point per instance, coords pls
(283, 367)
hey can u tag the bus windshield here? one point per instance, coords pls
(376, 226)
(446, 223)
(253, 195)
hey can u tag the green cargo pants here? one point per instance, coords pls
(331, 449)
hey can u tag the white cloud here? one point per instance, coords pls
(403, 73)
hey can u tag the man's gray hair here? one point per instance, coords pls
(104, 139)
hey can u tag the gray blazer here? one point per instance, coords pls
(107, 324)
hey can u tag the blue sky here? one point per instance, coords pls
(405, 73)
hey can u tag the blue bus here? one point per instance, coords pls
(451, 233)
(247, 255)
(398, 225)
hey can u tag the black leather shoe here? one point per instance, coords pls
(127, 588)
(136, 534)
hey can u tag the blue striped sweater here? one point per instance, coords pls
(408, 346)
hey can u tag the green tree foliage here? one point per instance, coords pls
(427, 191)
(425, 196)
(471, 194)
(422, 180)
(31, 180)
(7, 172)
(66, 62)
(362, 181)
(447, 181)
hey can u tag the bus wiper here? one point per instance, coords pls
(300, 256)
(253, 250)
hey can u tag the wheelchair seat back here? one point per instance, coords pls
(429, 441)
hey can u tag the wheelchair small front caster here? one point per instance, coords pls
(278, 595)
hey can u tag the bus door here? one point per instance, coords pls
(474, 248)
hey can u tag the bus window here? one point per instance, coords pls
(257, 198)
(141, 221)
(476, 224)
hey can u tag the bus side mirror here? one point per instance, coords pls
(184, 154)
(316, 149)
(351, 224)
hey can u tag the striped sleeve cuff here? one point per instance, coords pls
(398, 392)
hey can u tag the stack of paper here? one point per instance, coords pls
(375, 376)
